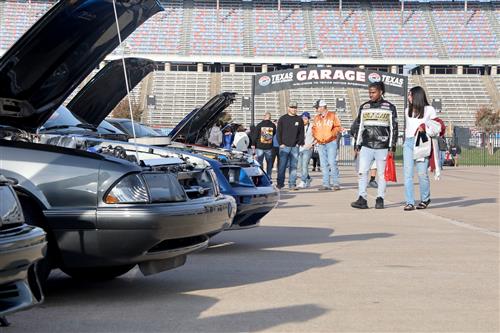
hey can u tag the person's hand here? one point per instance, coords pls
(282, 146)
(390, 153)
(307, 146)
(420, 129)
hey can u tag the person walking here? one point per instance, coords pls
(290, 137)
(443, 148)
(326, 128)
(376, 133)
(455, 152)
(417, 114)
(263, 142)
(305, 152)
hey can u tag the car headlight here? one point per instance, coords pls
(237, 177)
(164, 187)
(130, 189)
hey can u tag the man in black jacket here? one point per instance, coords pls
(263, 142)
(375, 131)
(290, 137)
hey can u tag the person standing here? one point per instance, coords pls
(305, 151)
(290, 137)
(417, 114)
(325, 130)
(241, 140)
(455, 152)
(215, 136)
(375, 131)
(263, 142)
(443, 147)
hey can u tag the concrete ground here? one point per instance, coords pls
(315, 265)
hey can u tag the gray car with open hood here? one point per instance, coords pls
(105, 206)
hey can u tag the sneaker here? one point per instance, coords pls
(301, 185)
(324, 188)
(279, 187)
(379, 203)
(313, 169)
(337, 188)
(361, 203)
(373, 184)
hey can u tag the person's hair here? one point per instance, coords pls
(419, 102)
(378, 85)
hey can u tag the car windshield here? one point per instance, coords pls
(140, 129)
(106, 127)
(63, 118)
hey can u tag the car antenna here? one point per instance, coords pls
(126, 81)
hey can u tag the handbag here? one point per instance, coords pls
(423, 146)
(390, 169)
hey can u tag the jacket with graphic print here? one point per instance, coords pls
(376, 126)
(326, 128)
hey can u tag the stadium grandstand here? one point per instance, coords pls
(203, 47)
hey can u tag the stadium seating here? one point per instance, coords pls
(177, 94)
(278, 33)
(408, 38)
(341, 36)
(17, 17)
(217, 32)
(160, 34)
(365, 29)
(461, 96)
(465, 34)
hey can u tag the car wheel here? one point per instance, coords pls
(96, 273)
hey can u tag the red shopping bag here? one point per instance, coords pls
(390, 169)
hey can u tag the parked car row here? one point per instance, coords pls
(78, 195)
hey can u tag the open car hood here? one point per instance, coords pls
(107, 88)
(49, 61)
(198, 121)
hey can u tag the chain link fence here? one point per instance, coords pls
(466, 147)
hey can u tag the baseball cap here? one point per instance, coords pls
(293, 105)
(306, 114)
(319, 102)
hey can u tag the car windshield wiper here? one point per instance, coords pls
(55, 127)
(87, 126)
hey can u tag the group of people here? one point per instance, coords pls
(296, 138)
(375, 132)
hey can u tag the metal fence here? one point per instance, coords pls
(475, 149)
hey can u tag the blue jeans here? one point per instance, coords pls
(288, 158)
(328, 160)
(305, 158)
(265, 153)
(365, 158)
(422, 172)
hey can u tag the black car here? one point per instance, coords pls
(21, 246)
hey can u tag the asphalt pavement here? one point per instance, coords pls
(314, 265)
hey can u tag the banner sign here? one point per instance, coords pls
(328, 76)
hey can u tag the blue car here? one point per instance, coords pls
(239, 175)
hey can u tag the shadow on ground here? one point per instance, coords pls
(167, 302)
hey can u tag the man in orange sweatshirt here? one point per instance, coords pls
(326, 129)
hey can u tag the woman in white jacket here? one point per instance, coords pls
(418, 112)
(241, 140)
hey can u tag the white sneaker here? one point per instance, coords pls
(301, 185)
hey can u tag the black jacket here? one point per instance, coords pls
(290, 131)
(376, 125)
(262, 135)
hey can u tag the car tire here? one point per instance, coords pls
(96, 274)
